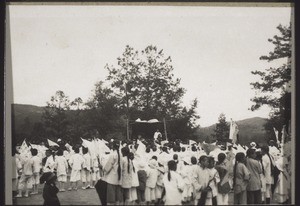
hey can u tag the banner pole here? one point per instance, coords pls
(165, 128)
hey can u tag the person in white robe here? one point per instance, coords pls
(173, 184)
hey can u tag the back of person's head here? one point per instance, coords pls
(211, 162)
(221, 158)
(164, 149)
(172, 165)
(193, 160)
(265, 149)
(154, 157)
(136, 146)
(194, 149)
(115, 145)
(148, 149)
(34, 152)
(154, 148)
(202, 158)
(240, 157)
(125, 151)
(48, 152)
(85, 150)
(251, 153)
(175, 157)
(76, 149)
(183, 149)
(258, 155)
(60, 152)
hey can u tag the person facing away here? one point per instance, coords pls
(254, 186)
(241, 176)
(36, 168)
(267, 165)
(201, 177)
(142, 177)
(50, 190)
(222, 168)
(61, 169)
(76, 163)
(173, 184)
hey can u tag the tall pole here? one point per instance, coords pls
(165, 128)
(127, 108)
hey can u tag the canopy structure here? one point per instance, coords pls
(146, 128)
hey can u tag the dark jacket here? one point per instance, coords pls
(50, 194)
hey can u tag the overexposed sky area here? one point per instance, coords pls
(214, 50)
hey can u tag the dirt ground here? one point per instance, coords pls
(79, 197)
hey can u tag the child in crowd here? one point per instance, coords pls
(49, 165)
(142, 176)
(159, 184)
(95, 170)
(152, 175)
(61, 166)
(201, 178)
(224, 187)
(135, 180)
(186, 175)
(26, 177)
(76, 162)
(240, 179)
(36, 167)
(127, 171)
(254, 186)
(50, 190)
(173, 184)
(282, 187)
(86, 171)
(194, 169)
(214, 176)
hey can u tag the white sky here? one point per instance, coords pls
(213, 49)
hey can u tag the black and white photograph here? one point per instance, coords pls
(149, 104)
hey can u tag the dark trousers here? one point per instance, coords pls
(101, 188)
(140, 195)
(254, 197)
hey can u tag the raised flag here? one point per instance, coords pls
(90, 146)
(51, 143)
(192, 142)
(233, 131)
(276, 135)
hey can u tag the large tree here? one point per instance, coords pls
(103, 113)
(55, 117)
(221, 132)
(144, 83)
(274, 87)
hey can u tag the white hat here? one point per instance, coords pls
(253, 144)
(152, 163)
(58, 140)
(141, 164)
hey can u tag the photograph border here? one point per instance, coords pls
(7, 71)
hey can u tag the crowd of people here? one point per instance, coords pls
(156, 172)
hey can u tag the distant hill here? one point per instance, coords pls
(251, 129)
(24, 118)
